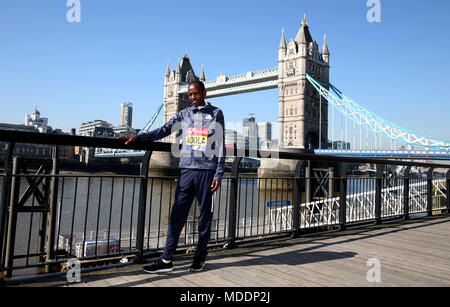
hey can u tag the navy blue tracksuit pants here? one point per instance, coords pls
(192, 183)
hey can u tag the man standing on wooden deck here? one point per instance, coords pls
(202, 163)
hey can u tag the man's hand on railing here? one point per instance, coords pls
(128, 139)
(215, 185)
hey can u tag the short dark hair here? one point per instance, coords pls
(199, 83)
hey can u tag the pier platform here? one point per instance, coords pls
(412, 253)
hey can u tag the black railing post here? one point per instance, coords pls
(406, 193)
(331, 182)
(330, 194)
(12, 219)
(297, 199)
(430, 191)
(231, 241)
(343, 195)
(4, 201)
(308, 188)
(142, 207)
(448, 192)
(43, 217)
(378, 189)
(53, 203)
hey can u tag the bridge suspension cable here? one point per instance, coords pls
(377, 125)
(150, 123)
(111, 153)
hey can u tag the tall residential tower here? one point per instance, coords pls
(126, 115)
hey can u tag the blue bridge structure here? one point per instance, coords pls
(430, 147)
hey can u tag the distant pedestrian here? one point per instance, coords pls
(202, 163)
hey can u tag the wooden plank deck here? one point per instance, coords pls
(414, 253)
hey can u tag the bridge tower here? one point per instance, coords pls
(301, 122)
(173, 80)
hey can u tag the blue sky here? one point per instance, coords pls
(76, 72)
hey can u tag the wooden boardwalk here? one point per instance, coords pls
(414, 253)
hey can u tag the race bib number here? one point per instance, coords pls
(196, 139)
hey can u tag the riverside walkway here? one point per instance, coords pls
(412, 253)
(47, 218)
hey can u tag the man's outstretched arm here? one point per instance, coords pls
(154, 135)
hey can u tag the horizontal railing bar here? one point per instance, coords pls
(71, 140)
(28, 209)
(79, 176)
(111, 257)
(92, 176)
(30, 255)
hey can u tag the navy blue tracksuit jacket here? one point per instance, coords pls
(202, 160)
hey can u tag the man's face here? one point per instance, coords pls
(196, 95)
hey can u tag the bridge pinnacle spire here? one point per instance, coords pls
(283, 40)
(202, 75)
(303, 35)
(168, 68)
(304, 22)
(179, 66)
(325, 50)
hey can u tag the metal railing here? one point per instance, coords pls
(48, 215)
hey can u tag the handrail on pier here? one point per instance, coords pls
(70, 140)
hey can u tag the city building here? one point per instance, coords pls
(34, 151)
(126, 115)
(103, 132)
(230, 138)
(88, 129)
(250, 131)
(101, 128)
(234, 139)
(35, 120)
(14, 127)
(95, 128)
(264, 135)
(124, 131)
(126, 121)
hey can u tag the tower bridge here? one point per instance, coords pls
(298, 102)
(305, 98)
(244, 83)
